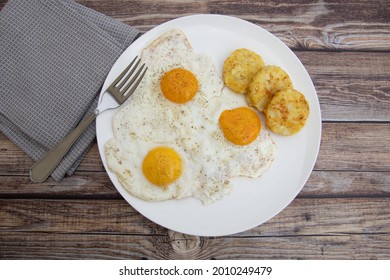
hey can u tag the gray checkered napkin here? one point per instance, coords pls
(54, 57)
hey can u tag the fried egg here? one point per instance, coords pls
(127, 160)
(168, 140)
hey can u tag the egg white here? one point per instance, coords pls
(148, 119)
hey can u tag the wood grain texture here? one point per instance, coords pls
(354, 147)
(313, 24)
(302, 217)
(351, 86)
(304, 24)
(176, 246)
(318, 229)
(347, 184)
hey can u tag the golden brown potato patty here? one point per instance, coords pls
(287, 112)
(240, 68)
(268, 81)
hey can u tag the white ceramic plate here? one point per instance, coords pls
(252, 201)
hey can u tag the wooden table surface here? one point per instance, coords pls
(343, 211)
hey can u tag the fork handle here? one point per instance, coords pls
(42, 169)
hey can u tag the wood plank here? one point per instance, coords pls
(93, 185)
(177, 246)
(344, 147)
(304, 24)
(347, 184)
(80, 185)
(350, 86)
(302, 217)
(354, 147)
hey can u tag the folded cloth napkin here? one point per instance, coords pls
(55, 56)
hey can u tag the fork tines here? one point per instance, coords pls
(126, 83)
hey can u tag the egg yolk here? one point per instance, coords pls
(179, 85)
(241, 126)
(162, 166)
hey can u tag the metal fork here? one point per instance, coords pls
(121, 89)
